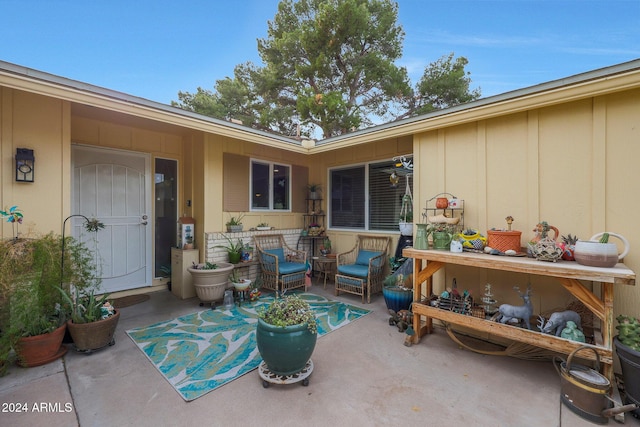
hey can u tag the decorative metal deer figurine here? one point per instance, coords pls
(519, 312)
(558, 321)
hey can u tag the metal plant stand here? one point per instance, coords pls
(269, 377)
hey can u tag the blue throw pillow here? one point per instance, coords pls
(365, 256)
(279, 252)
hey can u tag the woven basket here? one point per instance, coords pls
(504, 240)
(94, 335)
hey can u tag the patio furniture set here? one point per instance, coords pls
(359, 271)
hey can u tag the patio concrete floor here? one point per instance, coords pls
(363, 376)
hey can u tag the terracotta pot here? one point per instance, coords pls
(442, 203)
(41, 349)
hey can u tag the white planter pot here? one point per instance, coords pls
(242, 285)
(211, 284)
(596, 254)
(406, 228)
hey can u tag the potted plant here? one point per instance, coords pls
(599, 252)
(504, 239)
(234, 249)
(263, 226)
(238, 283)
(325, 249)
(627, 344)
(234, 224)
(286, 335)
(406, 215)
(314, 191)
(441, 234)
(210, 280)
(93, 320)
(247, 253)
(32, 315)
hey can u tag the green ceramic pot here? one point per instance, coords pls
(285, 350)
(234, 257)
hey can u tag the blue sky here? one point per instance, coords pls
(153, 49)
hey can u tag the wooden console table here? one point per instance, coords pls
(568, 273)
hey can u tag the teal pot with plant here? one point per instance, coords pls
(627, 344)
(286, 335)
(210, 280)
(397, 298)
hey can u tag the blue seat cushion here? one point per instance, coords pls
(278, 252)
(355, 270)
(365, 256)
(291, 267)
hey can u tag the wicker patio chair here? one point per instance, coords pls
(360, 271)
(283, 268)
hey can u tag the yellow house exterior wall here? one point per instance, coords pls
(342, 241)
(37, 123)
(570, 160)
(572, 165)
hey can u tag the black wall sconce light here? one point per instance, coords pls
(24, 165)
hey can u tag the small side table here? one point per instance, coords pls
(325, 267)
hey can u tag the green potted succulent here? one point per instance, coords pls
(263, 226)
(286, 334)
(627, 344)
(234, 249)
(234, 224)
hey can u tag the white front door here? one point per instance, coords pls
(114, 187)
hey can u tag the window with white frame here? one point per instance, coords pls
(364, 198)
(270, 186)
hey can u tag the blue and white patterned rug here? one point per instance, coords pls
(200, 352)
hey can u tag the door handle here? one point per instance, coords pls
(144, 223)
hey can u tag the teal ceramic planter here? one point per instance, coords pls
(285, 350)
(397, 298)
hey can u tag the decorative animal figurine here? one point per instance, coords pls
(571, 332)
(401, 319)
(558, 321)
(519, 312)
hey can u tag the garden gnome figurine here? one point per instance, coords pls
(572, 332)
